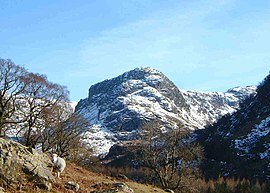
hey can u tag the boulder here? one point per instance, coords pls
(123, 187)
(119, 187)
(72, 186)
(20, 164)
(121, 177)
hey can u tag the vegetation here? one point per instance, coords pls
(223, 155)
(166, 152)
(157, 163)
(11, 87)
(197, 185)
(37, 111)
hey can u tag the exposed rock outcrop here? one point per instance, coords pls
(116, 108)
(19, 165)
(119, 187)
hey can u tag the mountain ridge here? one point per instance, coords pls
(240, 141)
(117, 107)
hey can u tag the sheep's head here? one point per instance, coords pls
(54, 157)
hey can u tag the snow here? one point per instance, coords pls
(90, 113)
(100, 139)
(144, 98)
(245, 143)
(207, 107)
(249, 89)
(73, 104)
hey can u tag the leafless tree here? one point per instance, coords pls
(52, 118)
(38, 96)
(168, 154)
(11, 87)
(38, 109)
(69, 134)
(63, 129)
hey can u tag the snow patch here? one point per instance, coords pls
(245, 143)
(100, 139)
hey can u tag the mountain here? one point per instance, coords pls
(207, 107)
(117, 107)
(239, 144)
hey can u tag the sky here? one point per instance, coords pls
(204, 45)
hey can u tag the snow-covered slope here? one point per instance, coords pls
(116, 108)
(241, 141)
(246, 142)
(207, 107)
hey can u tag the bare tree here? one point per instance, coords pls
(38, 109)
(68, 136)
(63, 129)
(166, 152)
(52, 118)
(11, 87)
(38, 96)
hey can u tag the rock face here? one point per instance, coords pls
(116, 108)
(239, 144)
(207, 107)
(19, 165)
(123, 154)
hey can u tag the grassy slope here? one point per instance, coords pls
(91, 181)
(88, 181)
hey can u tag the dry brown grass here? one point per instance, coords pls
(88, 181)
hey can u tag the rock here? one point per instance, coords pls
(120, 106)
(72, 186)
(168, 190)
(123, 153)
(45, 185)
(118, 187)
(123, 187)
(105, 191)
(20, 165)
(243, 139)
(2, 190)
(122, 176)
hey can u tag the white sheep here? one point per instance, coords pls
(59, 164)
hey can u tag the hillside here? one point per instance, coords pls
(238, 144)
(26, 170)
(90, 181)
(207, 107)
(117, 107)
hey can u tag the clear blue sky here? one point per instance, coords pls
(207, 45)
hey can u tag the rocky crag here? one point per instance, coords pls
(20, 165)
(116, 108)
